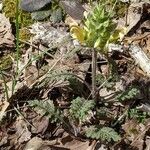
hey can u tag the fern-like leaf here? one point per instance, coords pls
(80, 108)
(104, 134)
(128, 94)
(47, 108)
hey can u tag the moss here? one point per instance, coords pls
(6, 61)
(24, 34)
(9, 8)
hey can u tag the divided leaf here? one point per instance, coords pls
(47, 108)
(80, 108)
(104, 134)
(128, 94)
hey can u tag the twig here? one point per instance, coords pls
(120, 118)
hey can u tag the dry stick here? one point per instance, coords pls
(94, 59)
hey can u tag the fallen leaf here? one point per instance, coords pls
(132, 129)
(136, 12)
(73, 144)
(3, 107)
(40, 125)
(3, 137)
(147, 141)
(135, 132)
(6, 36)
(40, 15)
(23, 134)
(34, 144)
(73, 8)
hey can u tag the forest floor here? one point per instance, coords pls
(46, 98)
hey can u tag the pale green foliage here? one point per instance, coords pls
(54, 76)
(79, 109)
(104, 134)
(138, 115)
(47, 108)
(119, 9)
(110, 84)
(128, 94)
(99, 27)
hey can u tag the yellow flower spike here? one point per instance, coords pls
(78, 33)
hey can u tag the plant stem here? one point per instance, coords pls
(17, 35)
(94, 59)
(17, 47)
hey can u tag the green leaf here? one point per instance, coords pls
(46, 108)
(128, 94)
(80, 108)
(104, 134)
(97, 42)
(102, 15)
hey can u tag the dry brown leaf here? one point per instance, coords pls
(65, 143)
(132, 129)
(3, 107)
(3, 137)
(49, 36)
(135, 132)
(147, 143)
(6, 36)
(73, 144)
(34, 144)
(73, 8)
(37, 143)
(40, 124)
(31, 74)
(136, 12)
(23, 134)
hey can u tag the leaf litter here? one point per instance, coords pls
(6, 36)
(56, 71)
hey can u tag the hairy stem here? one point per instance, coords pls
(94, 59)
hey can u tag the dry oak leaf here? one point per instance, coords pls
(6, 36)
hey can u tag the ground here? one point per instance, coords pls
(47, 78)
